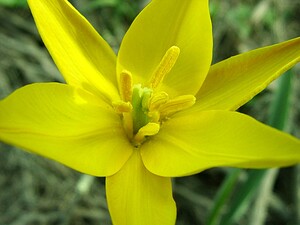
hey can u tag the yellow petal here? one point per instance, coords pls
(66, 124)
(137, 197)
(82, 56)
(161, 25)
(233, 82)
(190, 143)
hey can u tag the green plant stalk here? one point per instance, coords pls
(281, 102)
(222, 196)
(259, 210)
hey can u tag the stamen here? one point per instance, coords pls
(122, 107)
(149, 129)
(154, 116)
(157, 100)
(126, 85)
(127, 123)
(164, 67)
(177, 104)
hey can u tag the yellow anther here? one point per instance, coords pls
(149, 129)
(164, 67)
(126, 85)
(154, 116)
(157, 100)
(122, 107)
(177, 104)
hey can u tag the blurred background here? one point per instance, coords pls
(37, 191)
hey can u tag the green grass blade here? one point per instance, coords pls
(222, 196)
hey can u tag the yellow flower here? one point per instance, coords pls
(155, 111)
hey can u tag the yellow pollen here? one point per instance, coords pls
(122, 107)
(177, 104)
(149, 129)
(164, 67)
(126, 85)
(157, 100)
(154, 116)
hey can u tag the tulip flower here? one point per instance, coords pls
(155, 111)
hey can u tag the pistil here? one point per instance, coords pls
(140, 99)
(143, 108)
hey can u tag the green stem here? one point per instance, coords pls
(222, 196)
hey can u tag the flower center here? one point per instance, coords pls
(144, 108)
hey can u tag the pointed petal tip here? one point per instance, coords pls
(193, 142)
